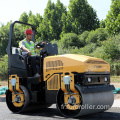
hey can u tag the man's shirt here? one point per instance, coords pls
(22, 44)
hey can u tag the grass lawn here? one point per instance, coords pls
(115, 79)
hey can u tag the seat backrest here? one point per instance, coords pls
(16, 50)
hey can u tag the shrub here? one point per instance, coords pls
(116, 38)
(115, 67)
(97, 36)
(75, 51)
(99, 53)
(82, 38)
(69, 40)
(88, 49)
(111, 49)
(62, 50)
(4, 65)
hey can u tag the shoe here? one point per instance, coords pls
(37, 75)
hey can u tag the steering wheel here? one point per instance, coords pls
(41, 45)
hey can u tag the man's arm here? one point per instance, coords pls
(25, 49)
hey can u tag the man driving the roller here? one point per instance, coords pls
(28, 49)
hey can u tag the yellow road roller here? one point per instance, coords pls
(78, 84)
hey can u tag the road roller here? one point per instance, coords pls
(78, 84)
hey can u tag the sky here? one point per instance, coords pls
(12, 9)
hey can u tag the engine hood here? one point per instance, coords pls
(74, 63)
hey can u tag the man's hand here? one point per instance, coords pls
(29, 53)
(41, 44)
(25, 49)
(44, 42)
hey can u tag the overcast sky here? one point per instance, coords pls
(12, 9)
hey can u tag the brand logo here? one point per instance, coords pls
(97, 66)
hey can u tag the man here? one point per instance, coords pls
(28, 48)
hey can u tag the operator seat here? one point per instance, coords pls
(16, 50)
(18, 59)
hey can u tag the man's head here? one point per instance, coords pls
(28, 34)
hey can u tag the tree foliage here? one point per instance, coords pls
(4, 65)
(66, 24)
(4, 35)
(75, 31)
(51, 26)
(111, 49)
(83, 37)
(69, 40)
(97, 36)
(82, 16)
(24, 17)
(88, 49)
(102, 24)
(35, 20)
(113, 18)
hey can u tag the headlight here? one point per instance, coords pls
(89, 80)
(13, 81)
(66, 80)
(106, 79)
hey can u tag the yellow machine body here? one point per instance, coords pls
(73, 63)
(56, 67)
(17, 92)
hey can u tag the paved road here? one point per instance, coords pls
(52, 113)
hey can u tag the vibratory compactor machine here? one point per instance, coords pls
(77, 84)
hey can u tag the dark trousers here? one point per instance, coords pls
(32, 61)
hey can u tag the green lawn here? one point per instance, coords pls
(115, 79)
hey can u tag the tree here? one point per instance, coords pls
(82, 16)
(102, 24)
(66, 24)
(4, 36)
(51, 26)
(24, 17)
(35, 20)
(112, 21)
(44, 31)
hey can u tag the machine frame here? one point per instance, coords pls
(69, 80)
